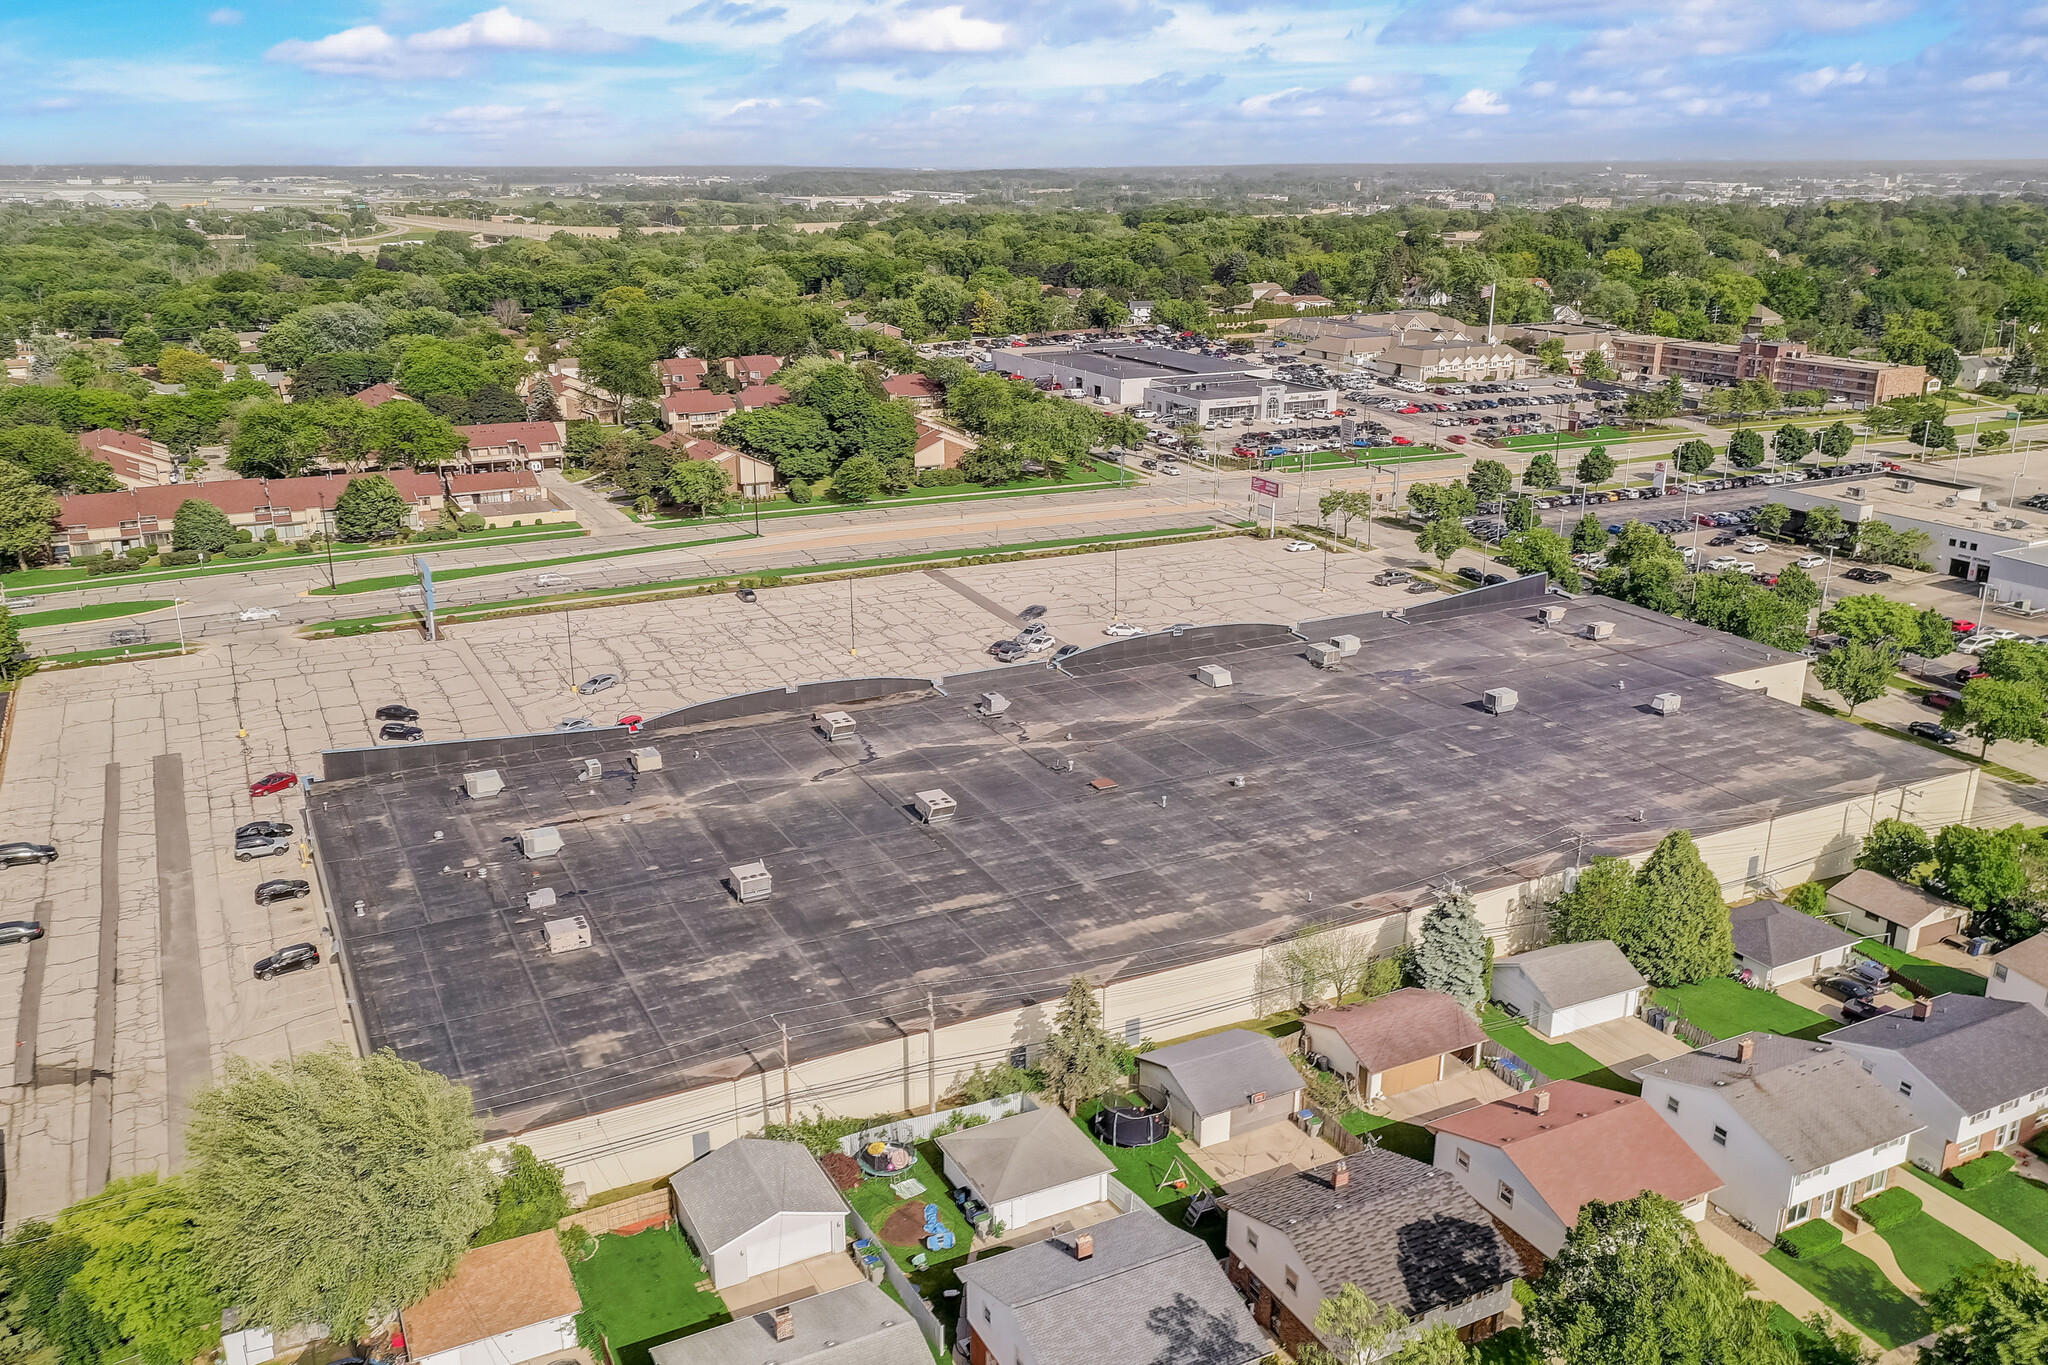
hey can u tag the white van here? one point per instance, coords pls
(553, 580)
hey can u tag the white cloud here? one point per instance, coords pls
(55, 106)
(1813, 82)
(1592, 96)
(1479, 102)
(947, 31)
(1987, 80)
(156, 82)
(369, 50)
(1262, 106)
(225, 17)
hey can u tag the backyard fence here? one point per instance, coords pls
(1677, 1025)
(904, 1132)
(1337, 1135)
(1508, 1066)
(927, 1323)
(638, 1211)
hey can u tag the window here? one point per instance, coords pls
(700, 1145)
(1797, 1213)
(1293, 1280)
(1672, 1104)
(2009, 1134)
(1134, 1031)
(2009, 1104)
(1827, 1203)
(1906, 1088)
(1877, 1182)
(2000, 971)
(1980, 1116)
(987, 1316)
(1720, 1136)
(1507, 1195)
(1464, 1160)
(1251, 1238)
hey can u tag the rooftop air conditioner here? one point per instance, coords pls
(1599, 630)
(1550, 616)
(993, 704)
(567, 935)
(1852, 492)
(1501, 700)
(1324, 656)
(1347, 645)
(1213, 675)
(1903, 485)
(540, 843)
(751, 882)
(1665, 703)
(591, 770)
(935, 807)
(833, 724)
(647, 760)
(542, 899)
(485, 783)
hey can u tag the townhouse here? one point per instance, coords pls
(500, 497)
(513, 445)
(137, 461)
(90, 523)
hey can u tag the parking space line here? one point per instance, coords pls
(99, 1131)
(27, 1020)
(182, 995)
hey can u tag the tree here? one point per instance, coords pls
(1345, 504)
(1588, 535)
(1792, 443)
(1595, 466)
(1594, 365)
(1443, 538)
(1837, 441)
(860, 478)
(1359, 1330)
(1857, 672)
(1634, 1285)
(1551, 353)
(221, 344)
(1643, 567)
(1824, 525)
(1542, 472)
(1520, 514)
(1079, 1060)
(1539, 550)
(408, 435)
(1599, 904)
(176, 365)
(1979, 868)
(1882, 543)
(145, 1275)
(698, 485)
(53, 458)
(271, 443)
(1439, 500)
(1992, 708)
(1772, 517)
(141, 346)
(1489, 480)
(618, 367)
(1993, 1313)
(1870, 619)
(1746, 448)
(1993, 440)
(200, 525)
(529, 1198)
(1934, 634)
(28, 513)
(1680, 932)
(1694, 457)
(1450, 951)
(1896, 849)
(334, 1189)
(370, 508)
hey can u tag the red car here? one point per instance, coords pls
(1964, 627)
(1703, 520)
(1458, 440)
(1410, 409)
(276, 782)
(632, 723)
(1403, 441)
(1941, 701)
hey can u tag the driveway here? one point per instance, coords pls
(785, 1284)
(1622, 1045)
(1274, 1146)
(1456, 1093)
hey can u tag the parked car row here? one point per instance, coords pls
(1034, 638)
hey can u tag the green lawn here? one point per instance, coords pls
(361, 585)
(1078, 478)
(1568, 440)
(874, 1201)
(1930, 1252)
(1939, 979)
(1725, 1007)
(1409, 1139)
(1141, 1169)
(104, 611)
(643, 1290)
(106, 656)
(2017, 1204)
(1851, 1284)
(1558, 1061)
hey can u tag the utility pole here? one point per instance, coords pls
(788, 1114)
(931, 1054)
(327, 535)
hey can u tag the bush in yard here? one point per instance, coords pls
(1976, 1174)
(1889, 1208)
(470, 521)
(434, 533)
(529, 1198)
(176, 558)
(2038, 1144)
(997, 1081)
(1814, 1237)
(1809, 898)
(201, 526)
(244, 551)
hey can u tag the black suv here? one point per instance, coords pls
(283, 889)
(397, 711)
(263, 829)
(18, 855)
(292, 959)
(400, 730)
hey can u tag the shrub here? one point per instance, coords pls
(799, 491)
(139, 553)
(434, 533)
(1001, 1079)
(1889, 1208)
(1809, 898)
(244, 535)
(1814, 1237)
(470, 521)
(577, 1245)
(302, 547)
(2038, 1144)
(939, 478)
(515, 521)
(244, 551)
(270, 536)
(1985, 1169)
(176, 558)
(818, 1133)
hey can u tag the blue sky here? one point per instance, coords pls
(961, 83)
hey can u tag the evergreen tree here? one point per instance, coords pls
(370, 508)
(1450, 951)
(201, 526)
(12, 659)
(1598, 905)
(1680, 931)
(1079, 1060)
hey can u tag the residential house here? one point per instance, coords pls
(297, 507)
(936, 449)
(696, 409)
(506, 1303)
(752, 476)
(1778, 944)
(1029, 1166)
(1132, 1289)
(753, 1206)
(1141, 310)
(1905, 917)
(918, 391)
(1794, 1129)
(137, 461)
(379, 394)
(1569, 986)
(684, 373)
(1534, 1160)
(751, 369)
(762, 396)
(2021, 972)
(1404, 1039)
(856, 1324)
(506, 445)
(500, 498)
(1220, 1086)
(1973, 1069)
(1405, 1233)
(89, 523)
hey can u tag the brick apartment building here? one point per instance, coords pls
(137, 461)
(1785, 363)
(88, 523)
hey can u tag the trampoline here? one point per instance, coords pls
(1130, 1125)
(885, 1158)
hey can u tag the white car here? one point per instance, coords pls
(20, 603)
(257, 614)
(1976, 644)
(1721, 562)
(1169, 469)
(1299, 547)
(1122, 629)
(1744, 566)
(1809, 561)
(1752, 547)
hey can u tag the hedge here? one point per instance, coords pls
(939, 478)
(245, 550)
(2038, 1144)
(434, 533)
(1982, 1171)
(470, 521)
(1814, 1237)
(1889, 1208)
(172, 559)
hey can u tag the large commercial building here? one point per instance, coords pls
(1226, 399)
(1413, 343)
(1785, 363)
(1969, 534)
(846, 896)
(1120, 374)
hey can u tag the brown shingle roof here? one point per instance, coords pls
(532, 435)
(910, 386)
(378, 394)
(697, 401)
(1401, 1027)
(1887, 899)
(488, 483)
(762, 396)
(496, 1289)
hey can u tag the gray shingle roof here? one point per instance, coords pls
(863, 1325)
(1224, 1070)
(1895, 901)
(1810, 1101)
(1405, 1233)
(1979, 1052)
(1575, 973)
(743, 1184)
(1773, 934)
(1150, 1295)
(1024, 1153)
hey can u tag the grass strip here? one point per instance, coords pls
(1930, 1253)
(782, 507)
(104, 611)
(1933, 977)
(1558, 1061)
(1725, 1007)
(362, 585)
(2015, 1203)
(1851, 1284)
(86, 657)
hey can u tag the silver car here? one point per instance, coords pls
(598, 683)
(245, 849)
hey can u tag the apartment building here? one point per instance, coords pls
(1786, 364)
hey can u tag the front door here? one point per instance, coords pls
(1983, 573)
(1959, 568)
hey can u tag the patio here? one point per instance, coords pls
(788, 1283)
(1275, 1146)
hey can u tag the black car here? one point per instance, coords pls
(19, 855)
(1031, 613)
(1064, 652)
(1934, 730)
(1854, 1010)
(400, 730)
(396, 711)
(21, 931)
(1471, 574)
(283, 889)
(263, 829)
(289, 959)
(1493, 578)
(129, 635)
(1848, 988)
(1867, 576)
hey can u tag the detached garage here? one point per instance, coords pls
(1569, 986)
(1404, 1040)
(1216, 1087)
(1905, 917)
(1030, 1166)
(506, 1303)
(754, 1206)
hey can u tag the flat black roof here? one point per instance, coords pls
(1363, 784)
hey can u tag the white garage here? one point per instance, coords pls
(1030, 1166)
(1569, 986)
(754, 1206)
(507, 1302)
(1217, 1087)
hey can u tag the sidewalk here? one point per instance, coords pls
(1993, 1237)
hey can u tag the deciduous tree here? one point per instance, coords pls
(1857, 672)
(370, 508)
(1680, 932)
(199, 525)
(698, 485)
(1599, 904)
(1489, 480)
(1896, 849)
(1542, 472)
(1442, 538)
(28, 515)
(1993, 709)
(1588, 535)
(1595, 466)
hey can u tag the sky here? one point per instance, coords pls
(992, 83)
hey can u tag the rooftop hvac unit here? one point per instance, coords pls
(751, 882)
(935, 806)
(1599, 630)
(1852, 492)
(1501, 700)
(993, 704)
(1903, 485)
(567, 935)
(1665, 703)
(1213, 675)
(591, 771)
(1550, 616)
(1347, 645)
(540, 843)
(647, 760)
(833, 724)
(1324, 656)
(485, 783)
(543, 899)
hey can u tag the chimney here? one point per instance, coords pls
(785, 1324)
(1084, 1245)
(1340, 1175)
(1923, 1008)
(1543, 1101)
(1745, 1051)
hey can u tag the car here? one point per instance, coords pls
(21, 855)
(1172, 469)
(1421, 585)
(575, 723)
(282, 889)
(1064, 652)
(631, 724)
(598, 683)
(292, 958)
(20, 603)
(397, 711)
(245, 849)
(1299, 547)
(1122, 630)
(1809, 561)
(1933, 730)
(1859, 1009)
(1847, 988)
(1720, 562)
(129, 635)
(1032, 613)
(257, 614)
(1963, 627)
(1032, 644)
(552, 580)
(396, 729)
(1386, 578)
(1867, 576)
(21, 931)
(1007, 651)
(1940, 701)
(274, 783)
(1032, 630)
(745, 594)
(263, 829)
